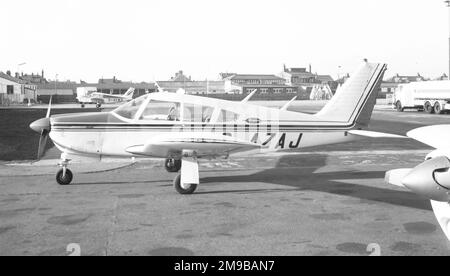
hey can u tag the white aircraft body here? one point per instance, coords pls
(100, 98)
(431, 179)
(184, 128)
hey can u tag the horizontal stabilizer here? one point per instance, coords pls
(374, 134)
(395, 177)
(442, 212)
(437, 136)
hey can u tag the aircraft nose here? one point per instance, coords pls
(40, 125)
(421, 179)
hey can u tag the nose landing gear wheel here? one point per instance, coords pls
(64, 179)
(179, 188)
(172, 165)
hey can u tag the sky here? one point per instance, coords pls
(152, 39)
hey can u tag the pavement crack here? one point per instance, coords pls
(111, 230)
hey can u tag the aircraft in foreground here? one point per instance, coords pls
(431, 179)
(184, 128)
(86, 97)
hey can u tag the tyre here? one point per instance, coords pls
(98, 105)
(399, 107)
(172, 165)
(177, 185)
(82, 105)
(437, 108)
(64, 180)
(428, 108)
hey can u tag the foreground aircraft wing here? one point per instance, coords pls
(442, 212)
(441, 209)
(437, 136)
(204, 144)
(430, 179)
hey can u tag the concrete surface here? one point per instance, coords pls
(326, 201)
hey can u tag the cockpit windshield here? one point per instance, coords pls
(128, 110)
(172, 111)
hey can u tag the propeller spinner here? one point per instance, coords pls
(42, 126)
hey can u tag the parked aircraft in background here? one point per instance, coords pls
(89, 95)
(430, 179)
(183, 128)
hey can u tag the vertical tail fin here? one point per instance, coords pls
(129, 92)
(355, 100)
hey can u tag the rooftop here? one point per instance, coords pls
(254, 77)
(11, 78)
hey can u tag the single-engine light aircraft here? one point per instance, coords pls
(183, 128)
(84, 97)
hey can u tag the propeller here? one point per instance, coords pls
(42, 126)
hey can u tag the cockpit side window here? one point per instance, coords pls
(227, 116)
(160, 110)
(129, 109)
(197, 113)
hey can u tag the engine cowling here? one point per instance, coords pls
(431, 179)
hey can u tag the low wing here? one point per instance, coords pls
(204, 144)
(437, 136)
(103, 95)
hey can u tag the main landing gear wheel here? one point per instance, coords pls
(184, 191)
(64, 179)
(172, 165)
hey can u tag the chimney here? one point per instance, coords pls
(42, 73)
(8, 73)
(310, 70)
(17, 75)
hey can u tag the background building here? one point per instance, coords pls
(180, 81)
(406, 79)
(264, 84)
(61, 92)
(13, 90)
(66, 92)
